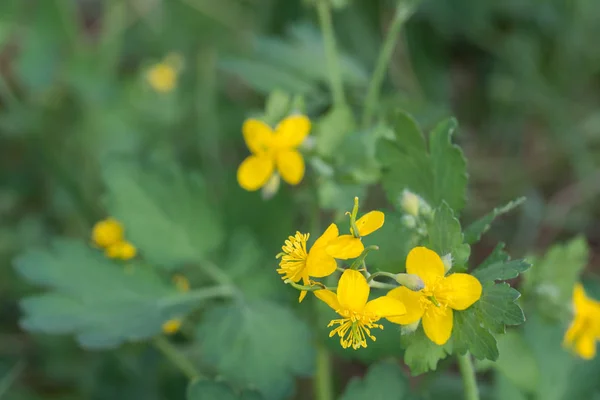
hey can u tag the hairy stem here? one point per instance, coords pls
(468, 375)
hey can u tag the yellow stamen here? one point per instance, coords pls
(293, 259)
(354, 329)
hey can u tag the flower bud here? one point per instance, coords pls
(447, 260)
(410, 281)
(409, 221)
(410, 203)
(410, 328)
(271, 188)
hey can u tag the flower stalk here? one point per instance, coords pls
(467, 371)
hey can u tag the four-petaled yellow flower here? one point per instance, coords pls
(441, 295)
(298, 263)
(584, 331)
(349, 246)
(358, 315)
(109, 234)
(272, 151)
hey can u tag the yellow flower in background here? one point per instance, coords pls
(441, 295)
(349, 246)
(122, 250)
(173, 325)
(273, 151)
(182, 283)
(358, 315)
(298, 263)
(107, 232)
(584, 331)
(163, 76)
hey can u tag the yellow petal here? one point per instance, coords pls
(370, 222)
(437, 324)
(585, 346)
(171, 326)
(291, 132)
(425, 263)
(257, 135)
(459, 291)
(575, 330)
(385, 306)
(353, 291)
(412, 302)
(254, 172)
(320, 264)
(108, 232)
(345, 247)
(291, 166)
(329, 298)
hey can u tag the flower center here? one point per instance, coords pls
(293, 258)
(429, 299)
(354, 328)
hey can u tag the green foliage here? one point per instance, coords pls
(469, 336)
(422, 355)
(384, 381)
(476, 229)
(78, 278)
(497, 308)
(207, 390)
(445, 236)
(437, 176)
(155, 203)
(256, 343)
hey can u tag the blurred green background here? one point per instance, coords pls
(521, 76)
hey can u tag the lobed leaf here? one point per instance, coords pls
(445, 236)
(469, 335)
(474, 231)
(501, 270)
(421, 354)
(497, 308)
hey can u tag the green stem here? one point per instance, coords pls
(333, 64)
(403, 11)
(381, 273)
(468, 375)
(177, 358)
(314, 287)
(360, 261)
(323, 383)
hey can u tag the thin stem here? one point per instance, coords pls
(177, 358)
(403, 11)
(323, 383)
(360, 261)
(333, 62)
(380, 273)
(468, 375)
(315, 286)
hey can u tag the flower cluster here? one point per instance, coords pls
(109, 235)
(584, 330)
(427, 294)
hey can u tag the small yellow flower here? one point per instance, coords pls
(107, 232)
(584, 331)
(163, 76)
(348, 246)
(441, 295)
(298, 263)
(171, 326)
(182, 283)
(358, 315)
(122, 250)
(272, 151)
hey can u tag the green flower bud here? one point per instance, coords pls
(410, 281)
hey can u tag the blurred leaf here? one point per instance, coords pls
(516, 361)
(445, 236)
(334, 195)
(258, 344)
(207, 390)
(469, 335)
(101, 302)
(152, 204)
(438, 176)
(421, 354)
(501, 270)
(474, 231)
(332, 130)
(384, 381)
(497, 308)
(7, 380)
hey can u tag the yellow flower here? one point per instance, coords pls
(358, 315)
(122, 250)
(584, 331)
(348, 246)
(298, 263)
(441, 295)
(182, 283)
(162, 76)
(108, 232)
(273, 151)
(171, 326)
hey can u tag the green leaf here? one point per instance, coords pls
(332, 129)
(476, 229)
(408, 133)
(469, 335)
(166, 214)
(497, 308)
(395, 240)
(501, 270)
(422, 355)
(445, 235)
(449, 166)
(208, 390)
(497, 255)
(384, 381)
(134, 308)
(258, 344)
(516, 361)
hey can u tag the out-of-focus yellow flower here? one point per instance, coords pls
(441, 295)
(272, 151)
(358, 315)
(351, 246)
(298, 263)
(122, 250)
(171, 326)
(182, 283)
(584, 331)
(107, 232)
(163, 75)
